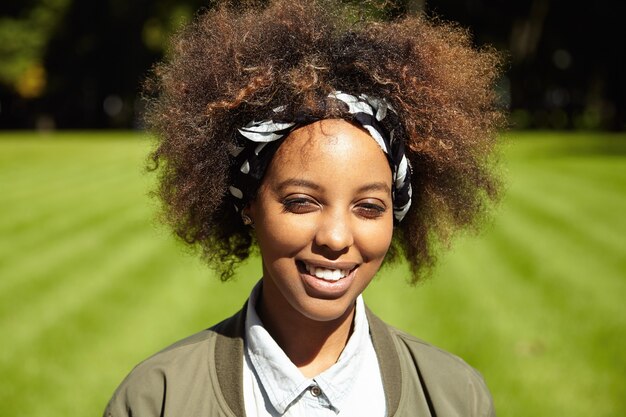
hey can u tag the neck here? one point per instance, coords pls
(313, 346)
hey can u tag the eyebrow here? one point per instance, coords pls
(375, 186)
(298, 182)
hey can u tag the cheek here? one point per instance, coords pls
(375, 238)
(282, 235)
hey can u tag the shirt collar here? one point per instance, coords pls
(280, 378)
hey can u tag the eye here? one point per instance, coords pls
(299, 205)
(370, 209)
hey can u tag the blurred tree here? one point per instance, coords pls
(79, 64)
(98, 56)
(566, 60)
(25, 28)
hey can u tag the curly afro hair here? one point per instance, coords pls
(232, 66)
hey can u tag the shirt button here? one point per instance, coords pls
(315, 391)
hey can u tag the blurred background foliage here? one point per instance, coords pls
(78, 64)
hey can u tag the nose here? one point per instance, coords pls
(334, 231)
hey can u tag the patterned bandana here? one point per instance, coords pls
(258, 142)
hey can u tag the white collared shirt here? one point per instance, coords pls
(274, 386)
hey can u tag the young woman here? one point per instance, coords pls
(331, 144)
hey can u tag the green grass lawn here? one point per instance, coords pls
(90, 283)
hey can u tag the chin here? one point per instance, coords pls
(326, 310)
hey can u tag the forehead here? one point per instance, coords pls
(331, 147)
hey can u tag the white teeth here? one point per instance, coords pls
(326, 273)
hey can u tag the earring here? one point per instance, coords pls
(247, 220)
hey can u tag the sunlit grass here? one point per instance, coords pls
(90, 284)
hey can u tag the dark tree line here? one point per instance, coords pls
(79, 64)
(565, 59)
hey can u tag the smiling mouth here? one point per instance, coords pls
(327, 274)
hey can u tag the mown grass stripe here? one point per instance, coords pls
(45, 187)
(540, 251)
(58, 194)
(608, 172)
(562, 329)
(551, 263)
(582, 212)
(518, 308)
(74, 290)
(76, 267)
(21, 152)
(582, 183)
(28, 272)
(54, 224)
(51, 348)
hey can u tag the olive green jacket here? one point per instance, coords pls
(202, 376)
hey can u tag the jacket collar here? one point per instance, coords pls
(388, 361)
(229, 360)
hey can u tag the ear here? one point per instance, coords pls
(248, 210)
(247, 217)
